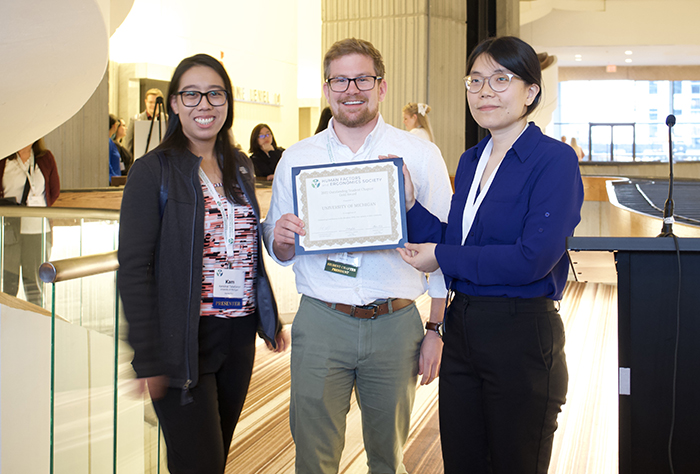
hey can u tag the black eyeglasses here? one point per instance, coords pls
(497, 82)
(264, 135)
(216, 98)
(363, 83)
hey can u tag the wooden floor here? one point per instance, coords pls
(585, 443)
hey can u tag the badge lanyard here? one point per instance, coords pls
(228, 217)
(229, 283)
(344, 263)
(473, 203)
(27, 171)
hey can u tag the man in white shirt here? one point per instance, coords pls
(363, 331)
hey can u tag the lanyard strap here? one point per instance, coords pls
(471, 207)
(329, 148)
(228, 217)
(27, 173)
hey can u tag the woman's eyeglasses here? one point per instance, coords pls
(497, 82)
(216, 98)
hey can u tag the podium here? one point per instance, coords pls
(658, 345)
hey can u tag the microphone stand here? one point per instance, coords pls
(667, 228)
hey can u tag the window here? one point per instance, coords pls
(653, 115)
(653, 88)
(695, 88)
(677, 87)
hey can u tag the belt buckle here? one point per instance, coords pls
(373, 307)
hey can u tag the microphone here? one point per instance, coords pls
(667, 228)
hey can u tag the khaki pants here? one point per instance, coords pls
(334, 353)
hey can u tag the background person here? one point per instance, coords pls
(577, 148)
(415, 118)
(323, 120)
(264, 151)
(126, 158)
(194, 347)
(147, 114)
(115, 159)
(31, 178)
(336, 346)
(518, 195)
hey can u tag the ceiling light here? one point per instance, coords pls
(628, 60)
(628, 52)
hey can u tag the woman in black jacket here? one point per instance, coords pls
(191, 276)
(264, 152)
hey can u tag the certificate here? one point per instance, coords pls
(350, 206)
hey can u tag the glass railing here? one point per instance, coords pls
(94, 419)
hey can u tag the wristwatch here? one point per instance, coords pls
(437, 327)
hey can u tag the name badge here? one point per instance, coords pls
(229, 285)
(346, 263)
(35, 201)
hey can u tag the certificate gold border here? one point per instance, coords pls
(396, 234)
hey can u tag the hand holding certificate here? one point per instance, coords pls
(350, 206)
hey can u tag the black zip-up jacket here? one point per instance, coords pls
(160, 266)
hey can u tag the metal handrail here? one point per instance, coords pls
(59, 212)
(78, 267)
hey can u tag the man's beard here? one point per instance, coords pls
(357, 119)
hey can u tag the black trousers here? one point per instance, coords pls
(503, 381)
(198, 435)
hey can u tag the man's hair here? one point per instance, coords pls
(353, 46)
(155, 91)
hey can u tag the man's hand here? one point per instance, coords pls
(420, 256)
(430, 357)
(409, 191)
(286, 228)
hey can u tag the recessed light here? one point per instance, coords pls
(628, 52)
(578, 59)
(577, 56)
(628, 60)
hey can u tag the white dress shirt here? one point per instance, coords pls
(382, 273)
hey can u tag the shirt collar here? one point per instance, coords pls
(373, 137)
(523, 146)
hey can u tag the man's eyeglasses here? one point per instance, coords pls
(216, 98)
(363, 83)
(497, 82)
(264, 136)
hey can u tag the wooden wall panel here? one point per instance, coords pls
(80, 144)
(423, 43)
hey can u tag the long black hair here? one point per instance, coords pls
(254, 145)
(515, 55)
(229, 156)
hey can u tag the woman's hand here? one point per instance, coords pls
(283, 340)
(267, 147)
(420, 256)
(156, 386)
(409, 192)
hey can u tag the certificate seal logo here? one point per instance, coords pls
(315, 183)
(219, 272)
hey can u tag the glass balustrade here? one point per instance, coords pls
(87, 415)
